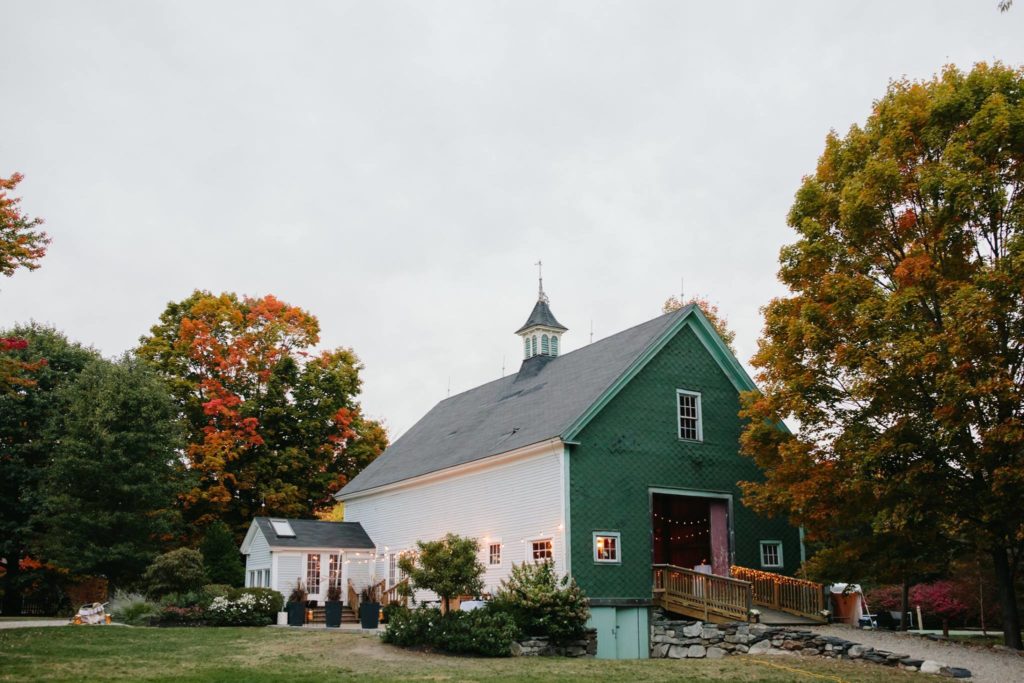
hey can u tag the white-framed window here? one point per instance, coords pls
(250, 578)
(392, 569)
(545, 349)
(526, 347)
(688, 404)
(771, 554)
(533, 345)
(494, 553)
(283, 528)
(266, 578)
(313, 573)
(334, 571)
(607, 547)
(541, 550)
(554, 345)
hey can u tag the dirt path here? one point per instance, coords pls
(986, 665)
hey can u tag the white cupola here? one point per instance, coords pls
(542, 333)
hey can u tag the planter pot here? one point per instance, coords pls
(296, 613)
(332, 613)
(282, 618)
(369, 614)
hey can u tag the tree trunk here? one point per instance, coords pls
(1007, 599)
(11, 583)
(905, 605)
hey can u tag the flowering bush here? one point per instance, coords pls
(488, 632)
(250, 607)
(411, 627)
(542, 604)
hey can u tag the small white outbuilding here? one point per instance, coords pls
(280, 552)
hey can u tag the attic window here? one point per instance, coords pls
(282, 528)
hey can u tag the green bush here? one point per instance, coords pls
(542, 604)
(411, 627)
(197, 598)
(486, 632)
(218, 590)
(179, 571)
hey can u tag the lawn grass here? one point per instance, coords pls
(275, 654)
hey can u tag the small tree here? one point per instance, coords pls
(449, 567)
(178, 571)
(221, 557)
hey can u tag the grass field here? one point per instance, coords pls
(275, 654)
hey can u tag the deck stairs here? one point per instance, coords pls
(320, 619)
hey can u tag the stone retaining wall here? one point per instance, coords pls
(696, 640)
(540, 647)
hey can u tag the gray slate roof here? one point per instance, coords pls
(542, 315)
(314, 533)
(540, 402)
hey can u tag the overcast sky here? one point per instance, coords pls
(397, 168)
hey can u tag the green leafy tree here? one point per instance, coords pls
(179, 571)
(273, 427)
(449, 567)
(108, 495)
(221, 557)
(26, 445)
(899, 349)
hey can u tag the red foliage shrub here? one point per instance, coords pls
(952, 600)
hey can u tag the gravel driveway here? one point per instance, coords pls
(986, 666)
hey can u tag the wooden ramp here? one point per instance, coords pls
(707, 597)
(784, 599)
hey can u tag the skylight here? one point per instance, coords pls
(282, 528)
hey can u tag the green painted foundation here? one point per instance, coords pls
(622, 632)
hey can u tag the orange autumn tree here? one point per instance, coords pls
(900, 346)
(710, 311)
(22, 245)
(274, 428)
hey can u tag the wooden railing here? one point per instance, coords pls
(353, 597)
(706, 596)
(396, 594)
(784, 593)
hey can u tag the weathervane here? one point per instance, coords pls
(541, 296)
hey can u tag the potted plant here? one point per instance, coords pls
(296, 607)
(369, 606)
(332, 608)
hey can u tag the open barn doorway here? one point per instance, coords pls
(691, 531)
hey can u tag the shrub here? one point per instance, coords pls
(218, 590)
(197, 598)
(178, 571)
(542, 604)
(488, 632)
(269, 598)
(411, 627)
(251, 607)
(132, 608)
(172, 615)
(389, 609)
(939, 600)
